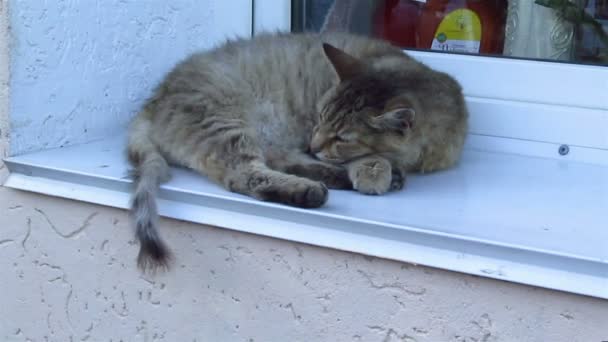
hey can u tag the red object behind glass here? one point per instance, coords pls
(396, 21)
(409, 23)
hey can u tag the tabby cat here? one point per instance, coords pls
(283, 117)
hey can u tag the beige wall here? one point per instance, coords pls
(69, 272)
(69, 275)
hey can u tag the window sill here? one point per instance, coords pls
(518, 218)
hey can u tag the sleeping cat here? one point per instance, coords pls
(284, 117)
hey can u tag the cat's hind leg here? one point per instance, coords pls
(235, 160)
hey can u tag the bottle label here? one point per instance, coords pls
(459, 31)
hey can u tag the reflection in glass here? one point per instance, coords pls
(562, 30)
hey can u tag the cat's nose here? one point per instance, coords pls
(314, 149)
(315, 145)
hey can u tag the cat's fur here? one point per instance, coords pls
(251, 114)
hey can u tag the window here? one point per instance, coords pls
(547, 30)
(526, 204)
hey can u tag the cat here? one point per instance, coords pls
(283, 117)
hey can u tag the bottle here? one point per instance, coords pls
(468, 26)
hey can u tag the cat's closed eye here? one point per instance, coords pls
(339, 138)
(346, 136)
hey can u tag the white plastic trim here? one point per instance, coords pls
(545, 102)
(521, 219)
(565, 84)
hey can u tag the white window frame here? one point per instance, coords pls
(497, 109)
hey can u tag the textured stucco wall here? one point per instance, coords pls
(72, 277)
(81, 68)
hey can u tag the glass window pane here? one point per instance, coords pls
(557, 30)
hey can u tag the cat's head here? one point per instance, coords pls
(365, 113)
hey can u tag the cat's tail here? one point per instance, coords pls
(150, 170)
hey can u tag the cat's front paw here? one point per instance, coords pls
(371, 176)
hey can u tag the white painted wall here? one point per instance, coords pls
(69, 275)
(81, 68)
(4, 79)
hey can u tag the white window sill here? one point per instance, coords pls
(524, 219)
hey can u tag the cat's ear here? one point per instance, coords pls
(345, 65)
(399, 120)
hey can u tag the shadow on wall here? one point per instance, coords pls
(4, 123)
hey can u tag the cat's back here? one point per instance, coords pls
(290, 54)
(273, 63)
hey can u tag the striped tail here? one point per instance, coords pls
(150, 170)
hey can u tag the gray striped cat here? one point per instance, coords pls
(284, 117)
